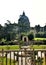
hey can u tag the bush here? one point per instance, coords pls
(41, 35)
(21, 42)
(30, 36)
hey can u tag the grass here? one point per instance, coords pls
(39, 39)
(9, 47)
(38, 46)
(12, 61)
(8, 61)
(15, 47)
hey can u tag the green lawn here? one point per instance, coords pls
(13, 47)
(9, 47)
(39, 39)
(38, 46)
(12, 61)
(8, 61)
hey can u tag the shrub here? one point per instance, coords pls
(41, 35)
(30, 36)
(21, 42)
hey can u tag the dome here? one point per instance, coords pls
(23, 21)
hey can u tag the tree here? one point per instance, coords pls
(37, 28)
(9, 22)
(10, 30)
(1, 31)
(45, 28)
(31, 36)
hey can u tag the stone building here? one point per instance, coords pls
(24, 24)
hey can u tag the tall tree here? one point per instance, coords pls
(10, 30)
(37, 28)
(45, 28)
(1, 31)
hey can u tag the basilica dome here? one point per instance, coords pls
(23, 23)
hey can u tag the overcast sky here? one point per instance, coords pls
(34, 9)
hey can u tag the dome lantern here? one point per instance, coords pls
(23, 13)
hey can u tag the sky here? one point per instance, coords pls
(34, 9)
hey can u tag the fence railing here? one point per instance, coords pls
(22, 57)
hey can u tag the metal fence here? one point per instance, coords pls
(22, 57)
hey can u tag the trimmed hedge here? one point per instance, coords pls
(41, 35)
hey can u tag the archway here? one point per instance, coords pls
(25, 38)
